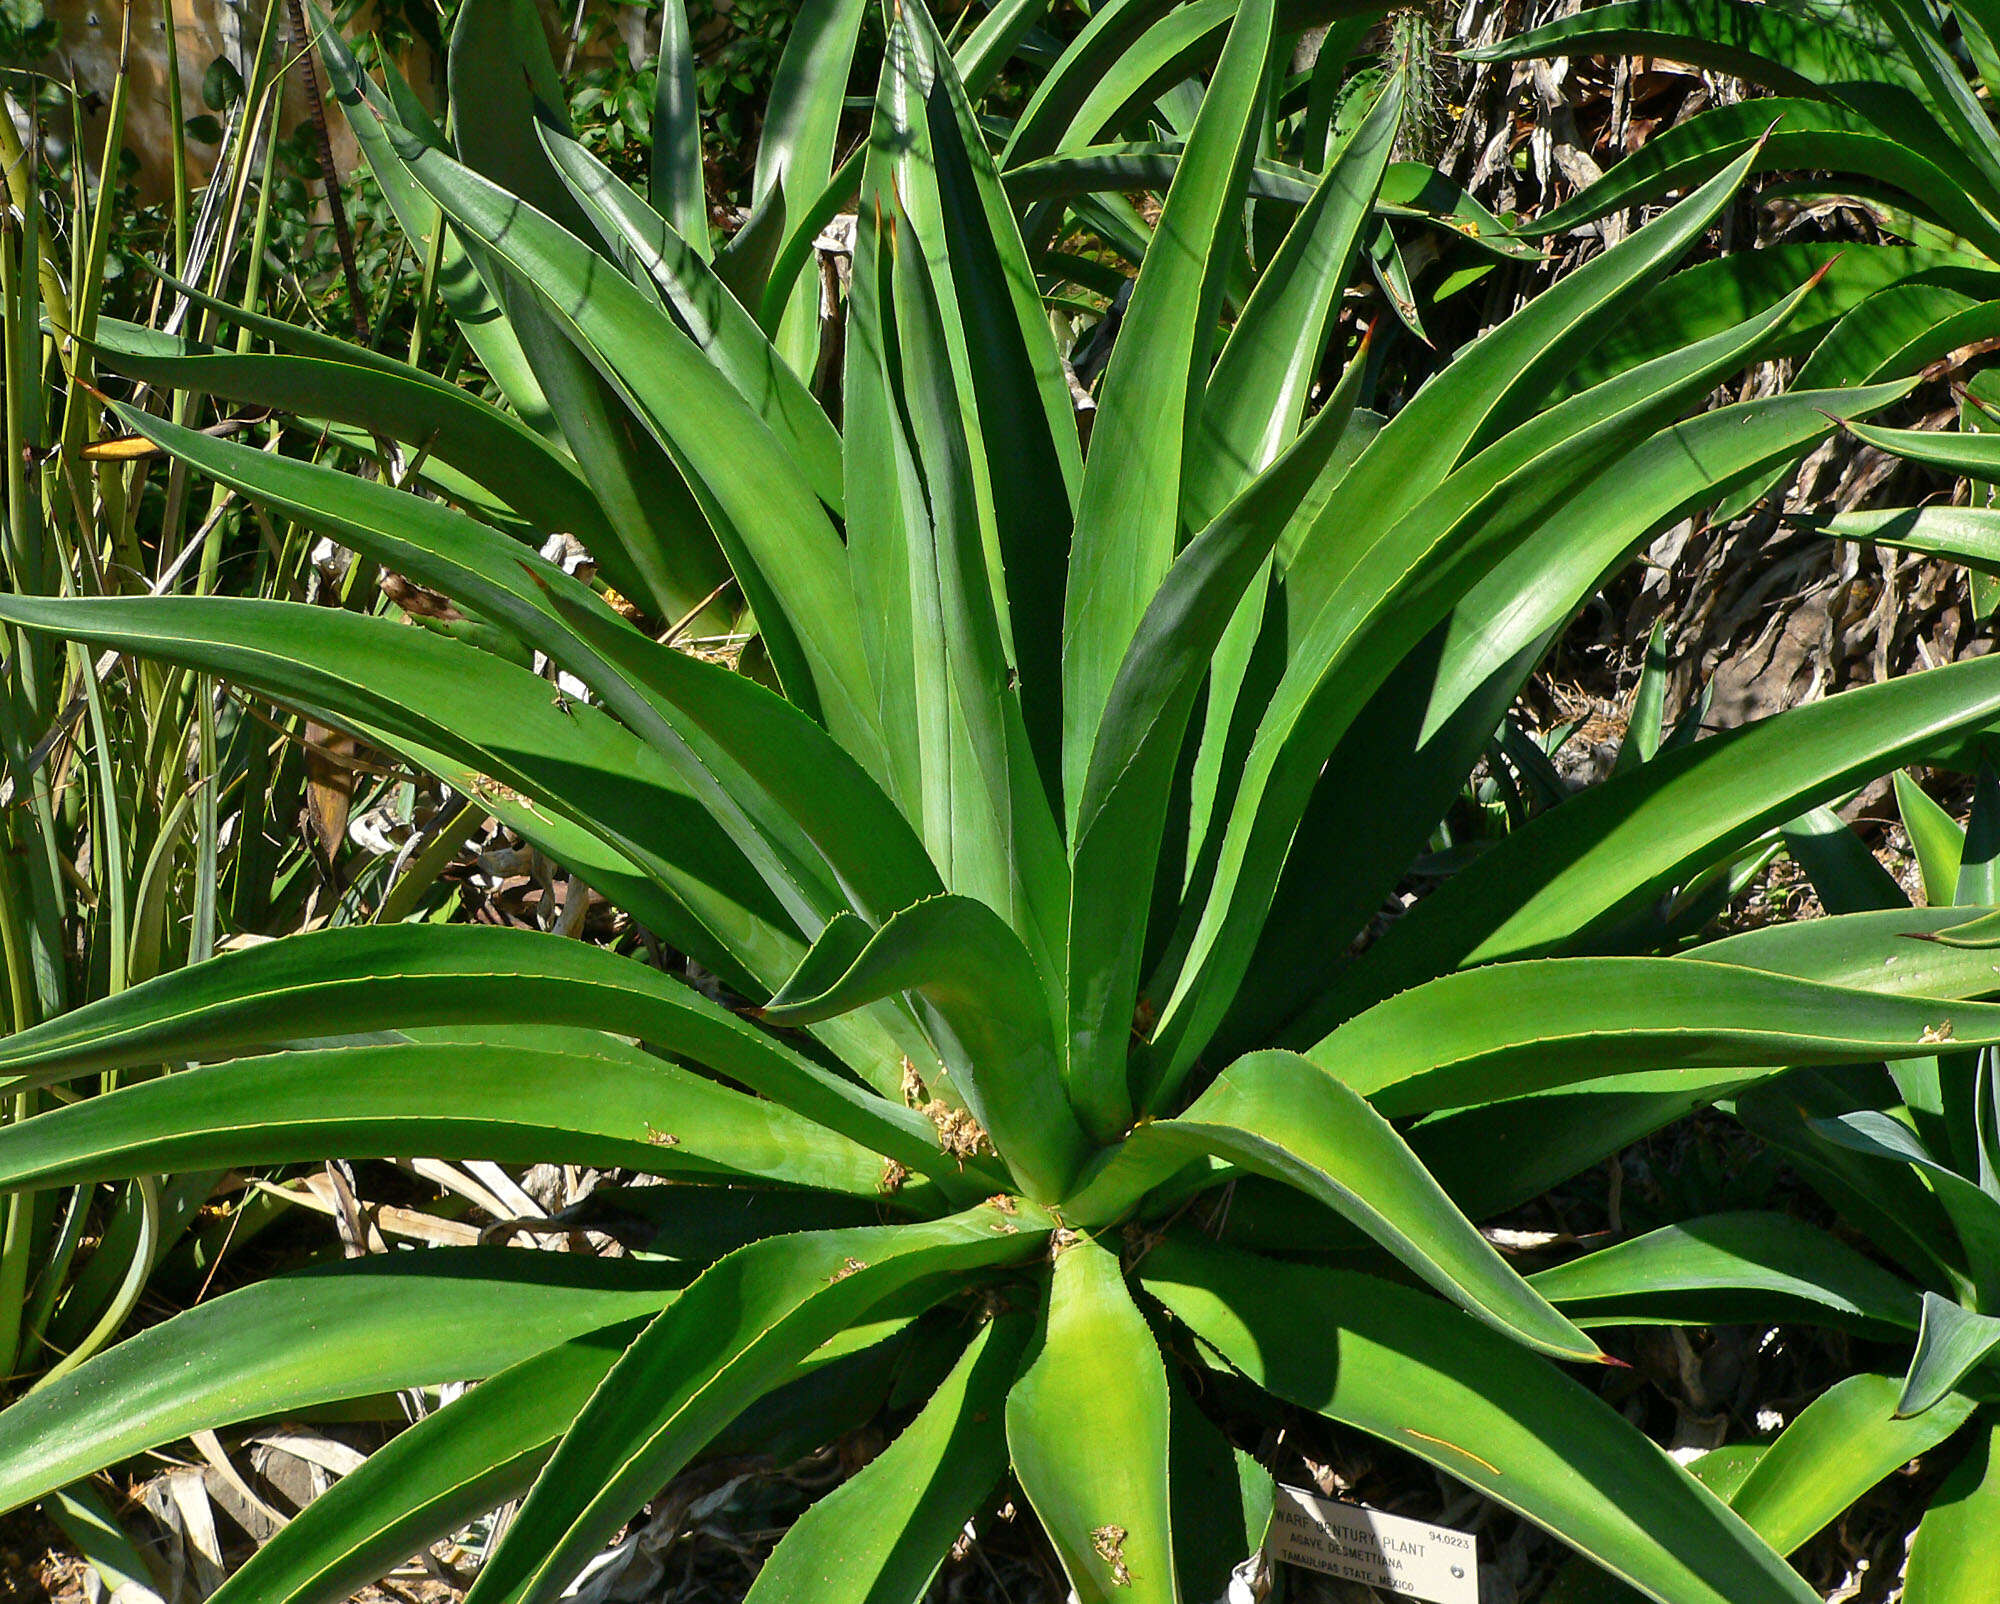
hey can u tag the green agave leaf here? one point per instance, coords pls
(1887, 1202)
(943, 649)
(1221, 1498)
(1110, 31)
(492, 448)
(795, 146)
(993, 41)
(990, 1019)
(485, 1447)
(1894, 950)
(1395, 1363)
(879, 1537)
(1497, 1156)
(1845, 1441)
(1951, 1344)
(1724, 1268)
(452, 1466)
(810, 779)
(1968, 535)
(1719, 294)
(356, 980)
(1488, 388)
(316, 1336)
(514, 1105)
(1279, 1115)
(1897, 331)
(713, 318)
(1962, 116)
(1841, 1445)
(1787, 50)
(1787, 134)
(1958, 1540)
(1511, 1028)
(1128, 522)
(1938, 839)
(1087, 1425)
(1168, 52)
(1847, 877)
(1975, 456)
(1617, 845)
(742, 1326)
(678, 191)
(783, 550)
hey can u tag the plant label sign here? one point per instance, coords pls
(1409, 1557)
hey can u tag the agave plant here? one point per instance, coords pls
(1024, 862)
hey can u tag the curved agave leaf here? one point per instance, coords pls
(1401, 587)
(503, 85)
(1788, 134)
(1722, 1268)
(1509, 1028)
(1121, 818)
(569, 777)
(991, 1022)
(1012, 400)
(787, 794)
(714, 319)
(1843, 1443)
(1960, 114)
(1112, 28)
(1975, 1213)
(677, 188)
(348, 1330)
(980, 473)
(1718, 294)
(491, 447)
(1280, 1115)
(1783, 49)
(460, 284)
(484, 1448)
(1887, 1201)
(1257, 393)
(510, 1104)
(782, 548)
(741, 1327)
(1952, 1342)
(795, 147)
(355, 980)
(1396, 1364)
(880, 1536)
(452, 1466)
(1087, 1425)
(1488, 388)
(1898, 331)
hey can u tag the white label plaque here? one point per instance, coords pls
(1409, 1557)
